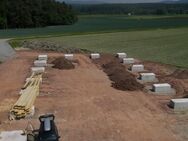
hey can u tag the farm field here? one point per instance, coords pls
(101, 24)
(168, 46)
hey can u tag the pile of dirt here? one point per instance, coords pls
(62, 63)
(121, 79)
(49, 46)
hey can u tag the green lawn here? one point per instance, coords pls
(169, 46)
(102, 24)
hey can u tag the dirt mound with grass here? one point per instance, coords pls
(50, 46)
(62, 63)
(117, 73)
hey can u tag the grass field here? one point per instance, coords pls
(168, 46)
(102, 24)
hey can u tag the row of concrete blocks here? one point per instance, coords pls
(40, 64)
(41, 61)
(145, 77)
(164, 88)
(121, 56)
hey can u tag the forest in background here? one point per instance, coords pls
(35, 13)
(134, 9)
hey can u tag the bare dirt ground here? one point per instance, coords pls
(86, 107)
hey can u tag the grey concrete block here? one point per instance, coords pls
(162, 88)
(128, 60)
(95, 56)
(137, 68)
(43, 57)
(40, 63)
(147, 77)
(179, 104)
(69, 56)
(121, 55)
(37, 70)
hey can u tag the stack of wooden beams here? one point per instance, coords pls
(30, 91)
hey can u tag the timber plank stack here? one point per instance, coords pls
(24, 105)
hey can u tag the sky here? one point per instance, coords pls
(126, 1)
(122, 1)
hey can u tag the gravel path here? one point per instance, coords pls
(6, 50)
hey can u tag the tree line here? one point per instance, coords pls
(136, 9)
(35, 13)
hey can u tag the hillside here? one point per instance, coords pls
(174, 1)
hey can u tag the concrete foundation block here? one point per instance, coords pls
(37, 70)
(137, 68)
(43, 57)
(121, 55)
(16, 135)
(147, 77)
(179, 104)
(128, 60)
(95, 56)
(40, 63)
(69, 56)
(162, 88)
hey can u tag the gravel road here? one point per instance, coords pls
(6, 50)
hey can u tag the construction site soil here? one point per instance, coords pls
(85, 105)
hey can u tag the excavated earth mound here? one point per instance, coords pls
(117, 73)
(180, 74)
(62, 63)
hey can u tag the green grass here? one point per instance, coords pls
(15, 43)
(169, 46)
(101, 24)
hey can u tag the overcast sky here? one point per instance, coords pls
(122, 1)
(129, 1)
